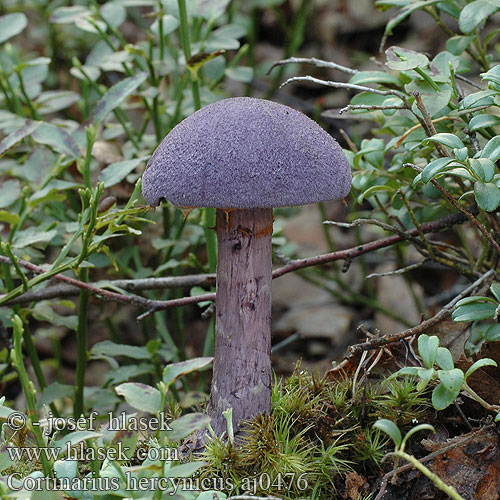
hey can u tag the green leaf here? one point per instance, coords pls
(170, 24)
(487, 196)
(373, 190)
(452, 379)
(450, 140)
(230, 31)
(226, 37)
(407, 370)
(435, 102)
(435, 167)
(52, 191)
(140, 396)
(68, 15)
(369, 99)
(174, 371)
(74, 438)
(116, 95)
(427, 348)
(240, 73)
(57, 138)
(474, 298)
(9, 192)
(5, 412)
(483, 121)
(11, 25)
(184, 470)
(442, 397)
(401, 59)
(55, 100)
(474, 312)
(5, 461)
(484, 168)
(186, 425)
(380, 77)
(425, 373)
(211, 9)
(44, 312)
(405, 12)
(12, 139)
(492, 76)
(444, 359)
(461, 154)
(372, 150)
(492, 334)
(55, 391)
(32, 236)
(127, 372)
(481, 98)
(116, 172)
(114, 13)
(66, 468)
(10, 218)
(492, 149)
(495, 290)
(391, 429)
(458, 44)
(109, 348)
(45, 494)
(473, 14)
(211, 494)
(479, 364)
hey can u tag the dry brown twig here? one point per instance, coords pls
(457, 205)
(425, 325)
(152, 306)
(320, 63)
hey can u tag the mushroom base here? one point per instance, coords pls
(242, 366)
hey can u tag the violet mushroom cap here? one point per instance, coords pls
(244, 152)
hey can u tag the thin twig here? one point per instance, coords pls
(60, 291)
(340, 85)
(457, 205)
(470, 82)
(409, 131)
(354, 107)
(425, 325)
(320, 63)
(348, 140)
(360, 222)
(108, 295)
(157, 305)
(429, 125)
(400, 271)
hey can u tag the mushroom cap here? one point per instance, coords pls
(246, 153)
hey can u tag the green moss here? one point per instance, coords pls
(314, 434)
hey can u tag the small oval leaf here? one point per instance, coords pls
(11, 25)
(390, 428)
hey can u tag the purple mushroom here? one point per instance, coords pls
(244, 156)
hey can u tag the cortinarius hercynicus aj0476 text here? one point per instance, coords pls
(244, 156)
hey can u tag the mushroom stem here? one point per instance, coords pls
(242, 366)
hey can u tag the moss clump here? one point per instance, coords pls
(314, 434)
